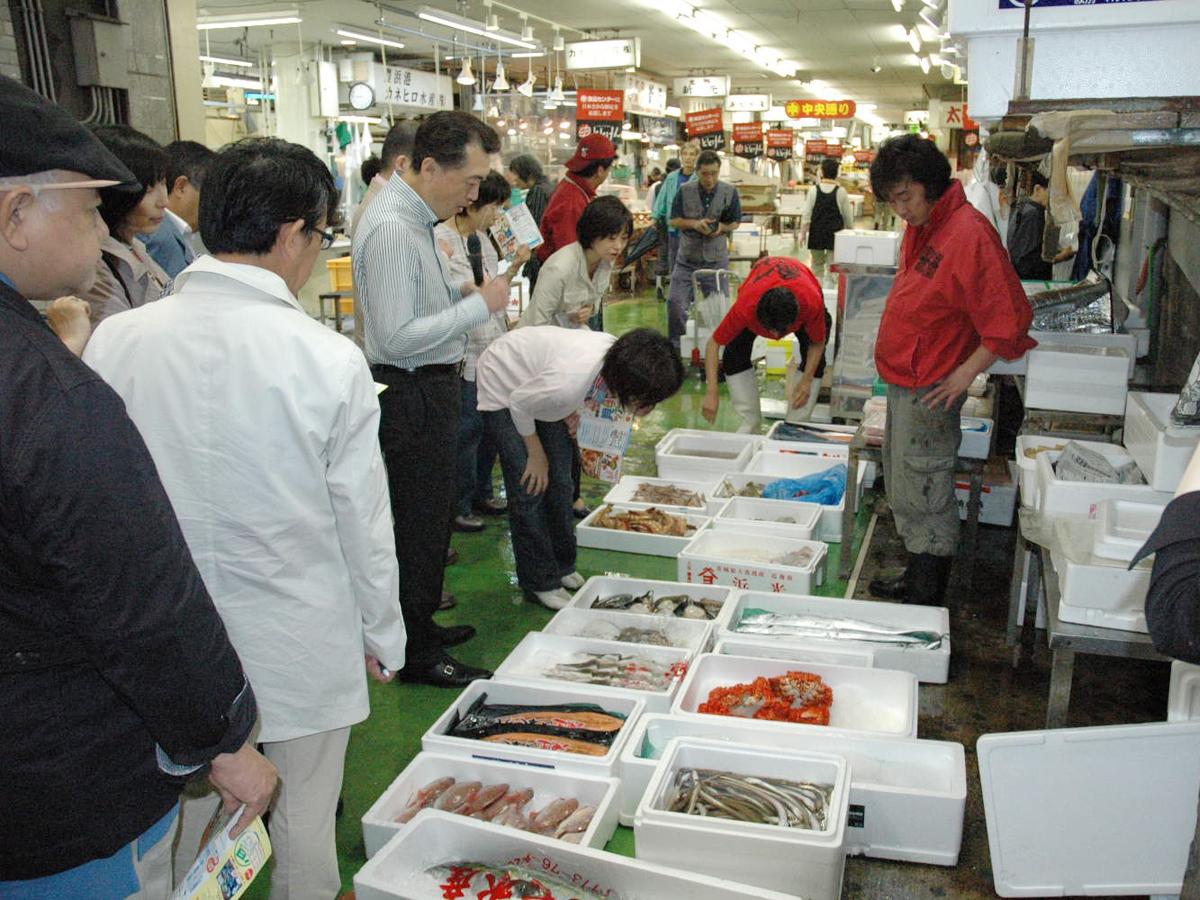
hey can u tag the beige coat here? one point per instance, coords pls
(136, 281)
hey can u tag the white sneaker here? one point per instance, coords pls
(572, 582)
(555, 599)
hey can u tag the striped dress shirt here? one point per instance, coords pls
(412, 313)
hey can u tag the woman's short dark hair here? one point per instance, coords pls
(707, 158)
(371, 166)
(445, 136)
(777, 310)
(257, 185)
(493, 189)
(527, 168)
(999, 175)
(910, 157)
(595, 166)
(603, 217)
(143, 156)
(829, 168)
(642, 368)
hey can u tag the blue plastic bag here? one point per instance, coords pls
(826, 488)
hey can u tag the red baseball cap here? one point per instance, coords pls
(590, 149)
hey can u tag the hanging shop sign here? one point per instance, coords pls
(707, 126)
(749, 103)
(1041, 4)
(864, 156)
(412, 87)
(645, 97)
(599, 112)
(947, 114)
(834, 151)
(821, 109)
(660, 131)
(815, 148)
(780, 142)
(702, 86)
(748, 140)
(610, 54)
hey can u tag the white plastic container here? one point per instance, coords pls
(692, 635)
(397, 872)
(588, 534)
(437, 739)
(1122, 528)
(833, 449)
(1027, 465)
(728, 558)
(623, 491)
(853, 246)
(779, 465)
(599, 587)
(998, 499)
(1162, 450)
(1097, 592)
(907, 796)
(1077, 379)
(693, 455)
(785, 518)
(806, 862)
(1079, 498)
(1183, 704)
(1050, 339)
(538, 653)
(878, 701)
(836, 656)
(379, 826)
(976, 440)
(931, 666)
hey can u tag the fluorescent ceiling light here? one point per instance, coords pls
(458, 23)
(897, 5)
(353, 34)
(867, 106)
(249, 20)
(229, 81)
(228, 61)
(914, 40)
(529, 54)
(925, 65)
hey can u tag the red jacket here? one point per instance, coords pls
(562, 214)
(956, 289)
(772, 272)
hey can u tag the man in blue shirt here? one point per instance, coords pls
(172, 245)
(664, 200)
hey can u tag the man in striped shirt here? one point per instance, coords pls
(415, 322)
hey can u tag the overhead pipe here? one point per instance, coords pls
(44, 44)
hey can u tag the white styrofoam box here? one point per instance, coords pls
(1123, 527)
(1106, 810)
(1077, 379)
(1079, 498)
(806, 862)
(879, 701)
(437, 740)
(998, 502)
(623, 491)
(976, 437)
(728, 558)
(694, 455)
(928, 665)
(855, 246)
(1097, 592)
(781, 465)
(838, 448)
(437, 838)
(1051, 339)
(538, 653)
(907, 796)
(1027, 465)
(599, 587)
(838, 656)
(1183, 704)
(787, 518)
(1162, 450)
(588, 534)
(379, 825)
(691, 635)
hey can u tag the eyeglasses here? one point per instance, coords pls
(327, 237)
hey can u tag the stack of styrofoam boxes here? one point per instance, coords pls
(859, 247)
(1050, 340)
(998, 498)
(1077, 379)
(1161, 450)
(739, 559)
(1183, 703)
(779, 465)
(695, 455)
(589, 534)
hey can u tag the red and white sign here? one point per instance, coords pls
(864, 156)
(834, 150)
(708, 125)
(780, 142)
(599, 112)
(748, 139)
(815, 148)
(820, 109)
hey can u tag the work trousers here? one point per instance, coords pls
(418, 433)
(543, 527)
(820, 264)
(476, 453)
(920, 454)
(153, 868)
(682, 294)
(662, 265)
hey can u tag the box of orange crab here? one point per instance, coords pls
(774, 817)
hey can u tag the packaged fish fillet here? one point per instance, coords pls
(584, 722)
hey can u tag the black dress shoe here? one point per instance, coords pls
(493, 506)
(446, 671)
(448, 601)
(451, 556)
(449, 636)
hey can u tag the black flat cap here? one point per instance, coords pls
(39, 136)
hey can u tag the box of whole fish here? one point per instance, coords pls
(753, 562)
(665, 493)
(692, 635)
(652, 674)
(695, 455)
(444, 855)
(907, 796)
(767, 468)
(565, 805)
(657, 599)
(809, 439)
(775, 817)
(638, 529)
(912, 639)
(784, 518)
(566, 728)
(791, 694)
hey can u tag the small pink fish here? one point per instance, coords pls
(458, 796)
(485, 798)
(423, 798)
(515, 799)
(553, 814)
(512, 817)
(577, 822)
(575, 837)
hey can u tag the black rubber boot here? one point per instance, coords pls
(891, 588)
(928, 576)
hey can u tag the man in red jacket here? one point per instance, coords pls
(586, 171)
(955, 308)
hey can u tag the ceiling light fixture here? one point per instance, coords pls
(925, 64)
(230, 81)
(557, 94)
(526, 29)
(249, 20)
(914, 40)
(559, 43)
(897, 5)
(228, 61)
(525, 88)
(356, 35)
(501, 83)
(458, 23)
(466, 76)
(530, 54)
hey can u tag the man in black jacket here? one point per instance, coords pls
(1026, 225)
(117, 680)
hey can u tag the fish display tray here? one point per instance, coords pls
(758, 514)
(806, 862)
(693, 635)
(1077, 379)
(694, 455)
(878, 701)
(437, 740)
(600, 586)
(726, 558)
(1097, 592)
(772, 443)
(622, 493)
(538, 652)
(1123, 527)
(907, 796)
(587, 534)
(1079, 498)
(1162, 450)
(1027, 470)
(379, 828)
(764, 468)
(931, 666)
(397, 871)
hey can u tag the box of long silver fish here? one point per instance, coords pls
(638, 490)
(658, 599)
(892, 635)
(754, 562)
(775, 817)
(692, 635)
(444, 855)
(649, 530)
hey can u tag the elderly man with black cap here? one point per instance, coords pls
(117, 679)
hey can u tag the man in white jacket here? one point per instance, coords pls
(264, 427)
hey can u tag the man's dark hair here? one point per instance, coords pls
(707, 158)
(829, 168)
(603, 217)
(642, 368)
(527, 168)
(445, 136)
(777, 310)
(398, 142)
(187, 159)
(257, 185)
(910, 157)
(493, 189)
(999, 175)
(143, 156)
(1037, 179)
(673, 165)
(371, 166)
(595, 166)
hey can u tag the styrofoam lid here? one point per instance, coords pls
(1081, 350)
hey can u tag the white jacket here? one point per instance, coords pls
(264, 427)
